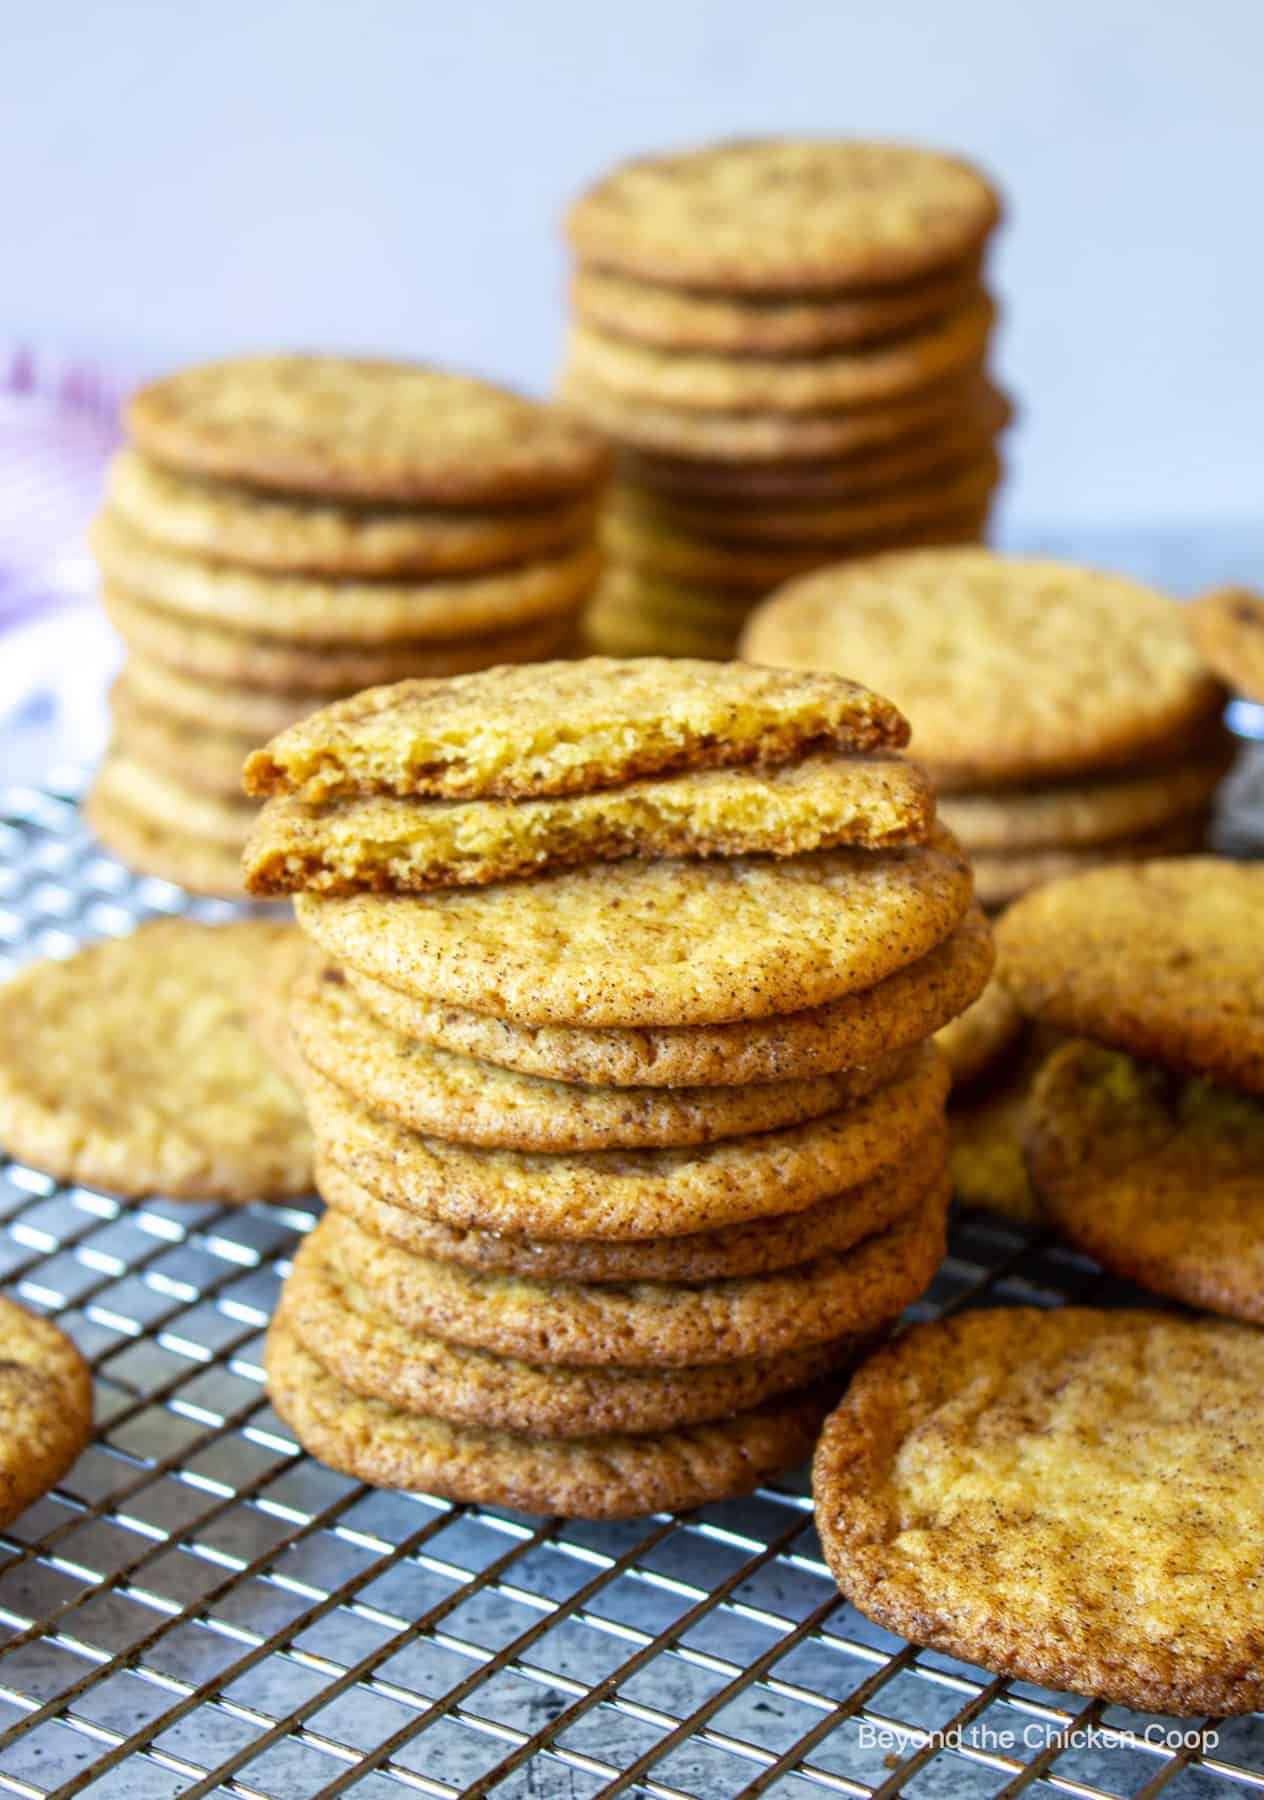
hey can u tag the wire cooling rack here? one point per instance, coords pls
(199, 1609)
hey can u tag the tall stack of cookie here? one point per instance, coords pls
(787, 342)
(1063, 713)
(613, 1034)
(285, 529)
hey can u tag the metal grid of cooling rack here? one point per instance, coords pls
(199, 1609)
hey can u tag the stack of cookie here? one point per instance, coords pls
(787, 342)
(1144, 1135)
(1063, 713)
(613, 1035)
(286, 529)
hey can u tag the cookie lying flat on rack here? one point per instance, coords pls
(1071, 1498)
(45, 1407)
(129, 1067)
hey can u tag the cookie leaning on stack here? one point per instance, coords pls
(1063, 714)
(787, 341)
(1144, 1135)
(613, 1038)
(288, 528)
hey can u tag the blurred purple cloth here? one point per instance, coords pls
(59, 423)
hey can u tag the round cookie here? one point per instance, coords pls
(129, 1067)
(833, 524)
(975, 1037)
(763, 437)
(256, 713)
(1005, 877)
(659, 548)
(653, 1324)
(1071, 1498)
(567, 728)
(657, 943)
(1228, 628)
(205, 651)
(1157, 1177)
(442, 1094)
(862, 1028)
(361, 429)
(1079, 815)
(202, 758)
(307, 609)
(241, 525)
(388, 843)
(785, 215)
(1014, 669)
(625, 1194)
(868, 376)
(367, 1350)
(613, 1477)
(45, 1407)
(167, 805)
(674, 318)
(1164, 960)
(775, 1242)
(959, 439)
(150, 849)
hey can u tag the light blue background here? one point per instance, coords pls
(180, 181)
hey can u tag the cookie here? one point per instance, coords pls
(1069, 1498)
(1158, 1177)
(567, 728)
(661, 548)
(45, 1407)
(778, 1241)
(207, 760)
(1013, 669)
(260, 664)
(363, 429)
(675, 318)
(657, 943)
(651, 1324)
(1078, 815)
(762, 437)
(306, 609)
(785, 215)
(868, 376)
(166, 803)
(974, 1038)
(1164, 960)
(959, 439)
(457, 1098)
(833, 523)
(1228, 628)
(613, 1477)
(367, 1350)
(220, 707)
(129, 1067)
(240, 525)
(389, 844)
(148, 848)
(1003, 878)
(622, 1195)
(897, 1014)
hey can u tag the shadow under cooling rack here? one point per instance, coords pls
(201, 1609)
